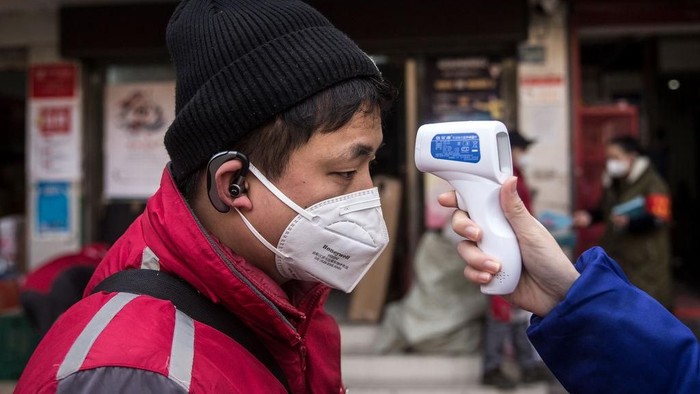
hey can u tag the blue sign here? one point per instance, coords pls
(52, 208)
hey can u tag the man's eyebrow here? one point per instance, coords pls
(361, 150)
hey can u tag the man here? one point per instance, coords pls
(636, 210)
(267, 200)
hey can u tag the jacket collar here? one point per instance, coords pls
(639, 166)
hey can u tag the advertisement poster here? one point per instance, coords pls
(459, 89)
(137, 116)
(54, 122)
(52, 209)
(463, 88)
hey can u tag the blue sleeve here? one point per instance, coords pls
(607, 336)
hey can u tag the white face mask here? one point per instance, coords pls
(523, 161)
(616, 168)
(334, 241)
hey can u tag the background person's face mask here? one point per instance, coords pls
(616, 168)
(334, 241)
(524, 161)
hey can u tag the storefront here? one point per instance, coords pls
(636, 70)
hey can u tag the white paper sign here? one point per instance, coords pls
(542, 90)
(55, 139)
(136, 119)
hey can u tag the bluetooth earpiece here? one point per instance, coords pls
(237, 187)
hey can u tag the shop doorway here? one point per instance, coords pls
(676, 151)
(12, 135)
(661, 77)
(12, 171)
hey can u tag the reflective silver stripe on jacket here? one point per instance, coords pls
(181, 351)
(77, 353)
(149, 260)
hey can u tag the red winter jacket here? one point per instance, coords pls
(118, 342)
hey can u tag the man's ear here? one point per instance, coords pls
(226, 185)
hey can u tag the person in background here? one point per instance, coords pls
(519, 146)
(49, 290)
(267, 202)
(506, 325)
(636, 210)
(596, 331)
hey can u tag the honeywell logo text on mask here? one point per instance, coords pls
(345, 256)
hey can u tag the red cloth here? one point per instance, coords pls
(41, 279)
(500, 309)
(659, 205)
(522, 188)
(296, 330)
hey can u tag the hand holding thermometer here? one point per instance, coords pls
(474, 157)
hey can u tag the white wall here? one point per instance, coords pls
(544, 112)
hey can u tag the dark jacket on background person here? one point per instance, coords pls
(607, 336)
(57, 284)
(643, 249)
(119, 342)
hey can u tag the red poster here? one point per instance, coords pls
(53, 80)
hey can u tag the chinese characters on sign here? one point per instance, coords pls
(54, 122)
(463, 89)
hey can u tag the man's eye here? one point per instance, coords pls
(348, 175)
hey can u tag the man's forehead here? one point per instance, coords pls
(361, 137)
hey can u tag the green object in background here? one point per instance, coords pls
(18, 338)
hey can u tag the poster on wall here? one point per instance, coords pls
(53, 209)
(459, 89)
(54, 122)
(55, 139)
(137, 116)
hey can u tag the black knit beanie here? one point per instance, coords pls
(239, 63)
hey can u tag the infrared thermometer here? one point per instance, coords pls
(474, 158)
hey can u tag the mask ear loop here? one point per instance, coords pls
(259, 236)
(278, 193)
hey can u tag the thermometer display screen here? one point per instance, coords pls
(505, 161)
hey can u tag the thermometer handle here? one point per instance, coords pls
(481, 199)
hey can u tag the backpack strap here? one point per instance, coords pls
(188, 300)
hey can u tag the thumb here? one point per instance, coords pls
(513, 207)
